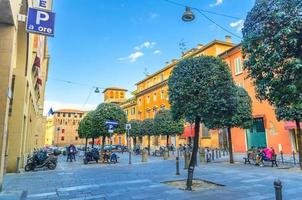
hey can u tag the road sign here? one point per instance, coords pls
(42, 4)
(40, 21)
(128, 126)
(114, 123)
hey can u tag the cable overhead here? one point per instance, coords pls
(201, 11)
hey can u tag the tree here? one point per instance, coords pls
(272, 45)
(226, 110)
(164, 124)
(85, 129)
(148, 129)
(135, 130)
(108, 112)
(191, 85)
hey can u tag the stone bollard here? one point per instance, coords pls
(278, 189)
(216, 153)
(223, 152)
(213, 154)
(294, 157)
(144, 155)
(187, 159)
(219, 153)
(202, 155)
(166, 154)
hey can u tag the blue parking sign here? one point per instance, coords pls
(40, 21)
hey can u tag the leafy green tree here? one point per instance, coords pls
(85, 129)
(228, 111)
(108, 112)
(272, 45)
(191, 85)
(148, 130)
(164, 124)
(136, 129)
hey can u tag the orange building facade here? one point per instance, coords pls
(267, 130)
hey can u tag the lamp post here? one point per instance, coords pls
(128, 127)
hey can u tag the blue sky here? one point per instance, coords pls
(109, 43)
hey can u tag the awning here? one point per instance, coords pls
(290, 125)
(188, 131)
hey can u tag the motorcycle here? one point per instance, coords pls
(92, 155)
(40, 159)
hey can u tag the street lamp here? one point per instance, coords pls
(96, 90)
(188, 15)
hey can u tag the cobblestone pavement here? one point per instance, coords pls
(76, 181)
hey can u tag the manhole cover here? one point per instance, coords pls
(198, 184)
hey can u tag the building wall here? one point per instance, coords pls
(65, 127)
(276, 134)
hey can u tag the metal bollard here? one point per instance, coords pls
(177, 166)
(18, 165)
(294, 157)
(219, 153)
(278, 189)
(208, 156)
(213, 154)
(282, 159)
(223, 152)
(216, 152)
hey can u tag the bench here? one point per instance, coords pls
(251, 157)
(157, 153)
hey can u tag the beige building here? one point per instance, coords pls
(23, 70)
(65, 124)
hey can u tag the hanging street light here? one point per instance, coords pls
(188, 15)
(96, 90)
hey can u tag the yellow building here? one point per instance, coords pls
(49, 131)
(114, 95)
(23, 70)
(65, 124)
(152, 94)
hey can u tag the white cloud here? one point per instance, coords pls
(157, 51)
(154, 15)
(56, 105)
(238, 25)
(218, 2)
(146, 45)
(132, 57)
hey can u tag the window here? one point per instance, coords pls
(154, 97)
(65, 122)
(63, 114)
(154, 80)
(62, 138)
(132, 111)
(122, 95)
(126, 111)
(238, 66)
(140, 102)
(73, 122)
(76, 138)
(148, 99)
(205, 131)
(58, 114)
(80, 115)
(161, 76)
(69, 114)
(63, 130)
(162, 94)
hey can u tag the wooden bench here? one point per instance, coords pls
(273, 161)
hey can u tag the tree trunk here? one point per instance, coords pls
(168, 145)
(149, 138)
(134, 142)
(193, 160)
(92, 142)
(86, 142)
(299, 142)
(103, 142)
(230, 145)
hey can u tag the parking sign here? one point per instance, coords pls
(40, 21)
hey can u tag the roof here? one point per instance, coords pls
(114, 88)
(230, 51)
(69, 111)
(189, 53)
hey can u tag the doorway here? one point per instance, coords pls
(256, 135)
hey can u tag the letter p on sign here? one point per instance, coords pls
(42, 16)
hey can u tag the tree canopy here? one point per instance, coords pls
(111, 112)
(136, 128)
(85, 129)
(147, 127)
(272, 45)
(165, 125)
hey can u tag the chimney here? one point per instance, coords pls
(228, 38)
(199, 46)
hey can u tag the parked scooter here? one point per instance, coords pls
(92, 155)
(40, 159)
